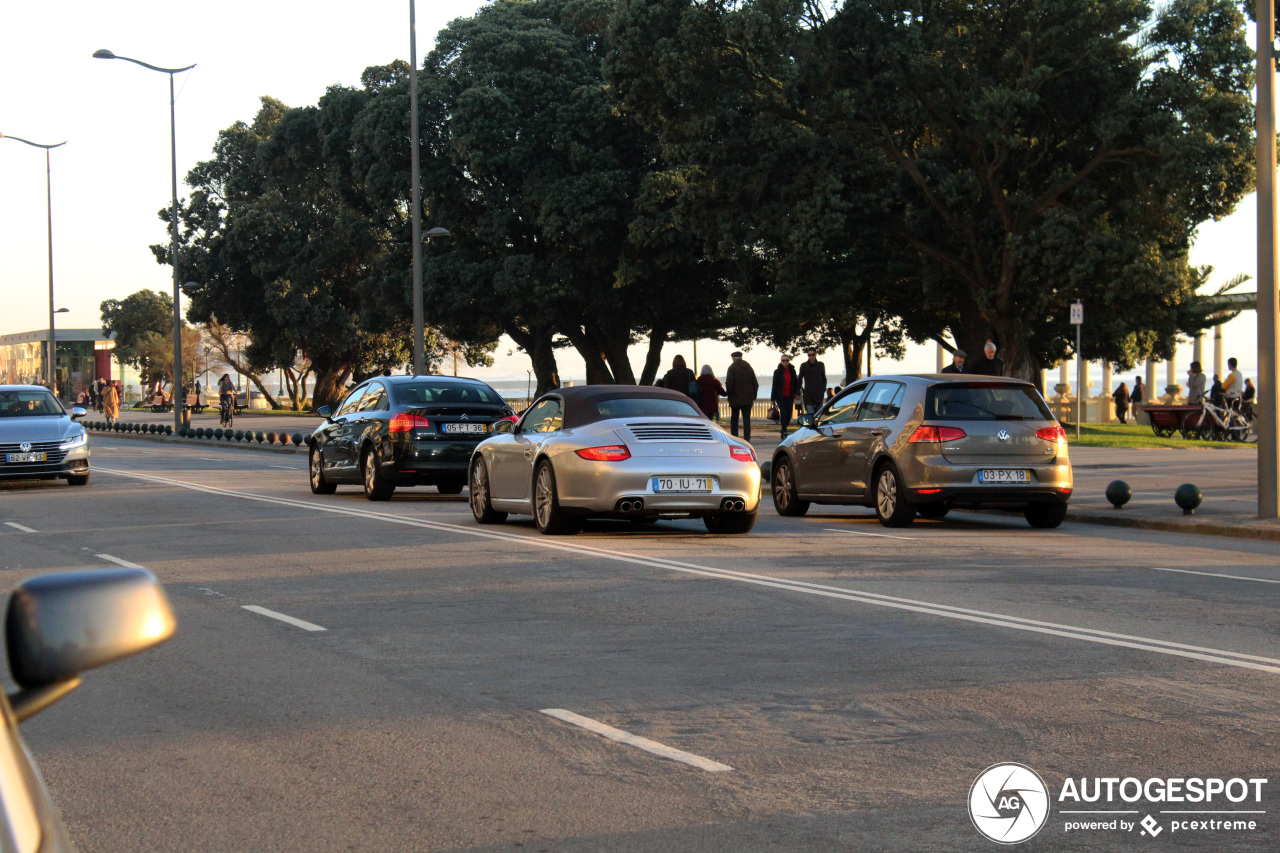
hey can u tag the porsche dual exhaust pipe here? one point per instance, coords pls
(733, 505)
(631, 505)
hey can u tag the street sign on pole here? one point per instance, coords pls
(1077, 320)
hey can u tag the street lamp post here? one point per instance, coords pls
(419, 333)
(419, 343)
(48, 197)
(180, 417)
(1268, 402)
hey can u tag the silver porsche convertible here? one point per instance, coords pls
(614, 451)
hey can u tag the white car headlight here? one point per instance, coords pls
(77, 440)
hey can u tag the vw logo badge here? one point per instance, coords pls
(25, 446)
(1003, 435)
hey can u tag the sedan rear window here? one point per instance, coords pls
(985, 401)
(644, 407)
(428, 393)
(28, 403)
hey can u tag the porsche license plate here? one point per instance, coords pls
(1004, 475)
(26, 457)
(682, 485)
(468, 429)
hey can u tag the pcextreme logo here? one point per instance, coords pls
(1010, 803)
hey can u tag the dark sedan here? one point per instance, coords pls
(403, 431)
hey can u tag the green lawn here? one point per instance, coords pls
(1132, 435)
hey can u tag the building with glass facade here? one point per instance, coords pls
(81, 355)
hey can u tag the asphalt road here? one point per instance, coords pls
(855, 679)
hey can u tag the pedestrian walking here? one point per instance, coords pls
(1121, 398)
(1195, 384)
(110, 403)
(989, 364)
(813, 380)
(709, 393)
(680, 378)
(1136, 396)
(741, 387)
(1233, 385)
(786, 387)
(957, 362)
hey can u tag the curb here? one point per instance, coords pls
(1207, 528)
(209, 444)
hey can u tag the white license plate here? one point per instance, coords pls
(687, 485)
(470, 429)
(26, 457)
(1004, 475)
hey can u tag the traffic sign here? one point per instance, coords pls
(1077, 313)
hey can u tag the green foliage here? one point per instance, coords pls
(136, 321)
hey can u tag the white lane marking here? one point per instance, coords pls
(1216, 575)
(285, 467)
(211, 459)
(298, 623)
(638, 742)
(16, 526)
(864, 533)
(1165, 647)
(118, 561)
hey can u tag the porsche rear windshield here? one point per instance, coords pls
(432, 393)
(985, 401)
(28, 403)
(643, 407)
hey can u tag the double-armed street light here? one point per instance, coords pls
(48, 194)
(180, 416)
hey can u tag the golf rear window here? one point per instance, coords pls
(985, 401)
(428, 393)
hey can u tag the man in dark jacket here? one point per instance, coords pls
(680, 378)
(741, 387)
(813, 380)
(786, 387)
(988, 365)
(957, 362)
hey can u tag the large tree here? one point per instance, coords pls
(1024, 155)
(137, 322)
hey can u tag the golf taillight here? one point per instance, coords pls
(407, 423)
(608, 453)
(925, 432)
(1053, 433)
(742, 453)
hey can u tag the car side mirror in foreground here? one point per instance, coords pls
(503, 427)
(78, 412)
(60, 625)
(805, 420)
(325, 412)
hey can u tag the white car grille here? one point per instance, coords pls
(670, 432)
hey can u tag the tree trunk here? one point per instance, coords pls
(853, 345)
(537, 343)
(592, 353)
(615, 352)
(331, 381)
(653, 358)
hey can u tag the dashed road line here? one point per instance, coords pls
(118, 561)
(297, 623)
(286, 467)
(1000, 620)
(16, 526)
(1215, 575)
(638, 742)
(877, 535)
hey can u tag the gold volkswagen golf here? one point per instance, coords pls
(920, 445)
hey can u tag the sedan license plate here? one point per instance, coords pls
(682, 485)
(468, 429)
(26, 457)
(1004, 475)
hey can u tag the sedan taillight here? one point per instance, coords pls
(405, 422)
(924, 432)
(609, 453)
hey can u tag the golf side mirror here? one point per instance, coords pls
(60, 625)
(805, 420)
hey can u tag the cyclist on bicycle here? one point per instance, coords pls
(226, 398)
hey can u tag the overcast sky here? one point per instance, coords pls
(112, 177)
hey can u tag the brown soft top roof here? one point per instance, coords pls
(580, 400)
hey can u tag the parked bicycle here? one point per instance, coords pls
(1222, 423)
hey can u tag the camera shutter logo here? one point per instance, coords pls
(1008, 803)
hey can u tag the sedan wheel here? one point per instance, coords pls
(78, 480)
(319, 485)
(1045, 515)
(481, 504)
(891, 504)
(547, 514)
(784, 491)
(376, 487)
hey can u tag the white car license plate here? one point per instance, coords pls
(470, 429)
(1004, 475)
(26, 457)
(688, 485)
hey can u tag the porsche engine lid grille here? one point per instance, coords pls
(670, 432)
